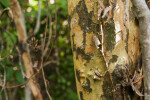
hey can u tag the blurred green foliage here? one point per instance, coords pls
(60, 76)
(5, 3)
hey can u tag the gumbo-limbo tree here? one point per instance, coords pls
(110, 41)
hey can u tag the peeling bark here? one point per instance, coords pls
(118, 34)
(22, 38)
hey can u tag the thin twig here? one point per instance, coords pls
(4, 81)
(55, 36)
(30, 78)
(14, 93)
(37, 27)
(49, 31)
(42, 45)
(49, 62)
(55, 19)
(20, 63)
(1, 43)
(6, 95)
(5, 10)
(42, 57)
(38, 19)
(46, 84)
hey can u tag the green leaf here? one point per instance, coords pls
(9, 73)
(5, 3)
(71, 95)
(19, 77)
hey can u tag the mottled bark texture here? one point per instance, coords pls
(22, 38)
(143, 13)
(118, 33)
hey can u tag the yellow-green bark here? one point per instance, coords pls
(121, 47)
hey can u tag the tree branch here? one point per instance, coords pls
(141, 7)
(143, 13)
(22, 37)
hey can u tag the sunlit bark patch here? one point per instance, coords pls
(71, 5)
(90, 46)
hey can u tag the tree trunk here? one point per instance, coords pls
(105, 43)
(24, 49)
(28, 95)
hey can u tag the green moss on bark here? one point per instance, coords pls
(109, 35)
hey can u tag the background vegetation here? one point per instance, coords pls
(59, 72)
